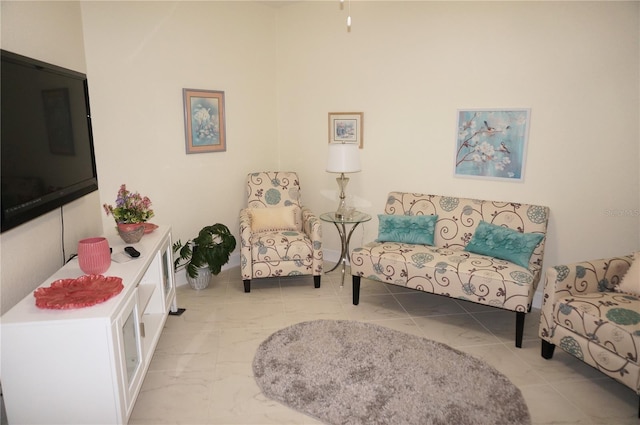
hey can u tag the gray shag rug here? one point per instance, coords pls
(346, 372)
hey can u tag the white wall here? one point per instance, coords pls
(51, 32)
(407, 65)
(48, 31)
(140, 55)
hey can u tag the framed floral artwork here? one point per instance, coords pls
(346, 127)
(204, 121)
(492, 143)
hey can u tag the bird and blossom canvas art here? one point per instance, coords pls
(491, 143)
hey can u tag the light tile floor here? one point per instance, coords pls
(201, 371)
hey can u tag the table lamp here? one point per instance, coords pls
(343, 158)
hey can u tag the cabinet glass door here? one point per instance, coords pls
(166, 262)
(131, 344)
(130, 335)
(168, 282)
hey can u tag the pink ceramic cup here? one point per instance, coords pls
(94, 256)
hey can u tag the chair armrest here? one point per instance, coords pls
(311, 224)
(578, 278)
(312, 227)
(588, 276)
(245, 244)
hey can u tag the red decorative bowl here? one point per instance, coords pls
(149, 227)
(84, 291)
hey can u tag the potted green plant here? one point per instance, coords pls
(205, 254)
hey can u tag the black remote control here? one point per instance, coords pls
(133, 253)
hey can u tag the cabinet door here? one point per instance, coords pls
(168, 284)
(130, 347)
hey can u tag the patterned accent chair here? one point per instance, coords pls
(278, 236)
(583, 316)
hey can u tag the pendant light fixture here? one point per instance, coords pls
(349, 13)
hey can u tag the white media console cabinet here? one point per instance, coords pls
(86, 365)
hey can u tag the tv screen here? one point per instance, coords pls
(46, 140)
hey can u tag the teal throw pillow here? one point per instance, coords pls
(504, 243)
(417, 229)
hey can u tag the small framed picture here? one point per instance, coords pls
(346, 127)
(204, 121)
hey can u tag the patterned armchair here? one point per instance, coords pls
(278, 236)
(583, 316)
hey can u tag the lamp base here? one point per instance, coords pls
(341, 212)
(346, 214)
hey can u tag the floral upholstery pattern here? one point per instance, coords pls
(584, 317)
(446, 268)
(279, 253)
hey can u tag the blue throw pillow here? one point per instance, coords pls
(504, 243)
(418, 229)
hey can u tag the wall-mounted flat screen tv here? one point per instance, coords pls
(46, 141)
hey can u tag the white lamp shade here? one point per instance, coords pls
(343, 158)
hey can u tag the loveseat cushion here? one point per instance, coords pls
(417, 229)
(504, 243)
(607, 319)
(452, 272)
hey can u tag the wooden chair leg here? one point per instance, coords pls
(247, 285)
(546, 349)
(316, 281)
(356, 289)
(520, 315)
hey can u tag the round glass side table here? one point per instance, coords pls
(341, 224)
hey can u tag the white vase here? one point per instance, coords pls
(202, 280)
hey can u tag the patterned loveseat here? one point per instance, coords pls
(583, 316)
(445, 266)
